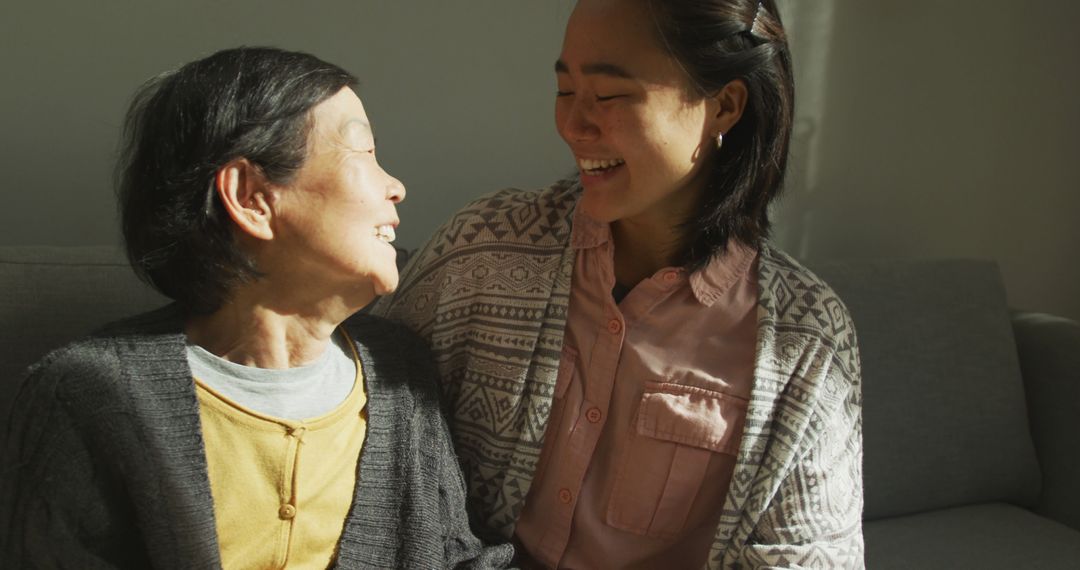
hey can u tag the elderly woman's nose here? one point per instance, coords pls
(396, 190)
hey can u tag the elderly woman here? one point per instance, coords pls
(638, 378)
(252, 423)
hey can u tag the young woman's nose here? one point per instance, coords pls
(577, 125)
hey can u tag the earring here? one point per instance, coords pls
(719, 140)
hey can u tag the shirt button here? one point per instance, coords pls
(565, 496)
(671, 276)
(593, 415)
(614, 326)
(286, 512)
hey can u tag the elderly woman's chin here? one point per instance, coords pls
(377, 277)
(385, 283)
(382, 269)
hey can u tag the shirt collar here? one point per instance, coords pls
(587, 232)
(722, 272)
(708, 283)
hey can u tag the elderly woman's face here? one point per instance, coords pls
(334, 222)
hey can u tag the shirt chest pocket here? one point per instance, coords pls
(670, 474)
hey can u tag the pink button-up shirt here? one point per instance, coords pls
(648, 413)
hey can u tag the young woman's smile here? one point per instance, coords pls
(638, 134)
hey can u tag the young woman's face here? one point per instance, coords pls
(639, 134)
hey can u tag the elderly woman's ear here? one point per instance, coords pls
(246, 195)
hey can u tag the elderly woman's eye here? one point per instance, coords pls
(563, 93)
(607, 97)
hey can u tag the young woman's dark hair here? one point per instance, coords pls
(718, 41)
(183, 126)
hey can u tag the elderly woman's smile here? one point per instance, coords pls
(335, 219)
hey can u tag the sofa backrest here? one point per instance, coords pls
(944, 415)
(944, 412)
(52, 295)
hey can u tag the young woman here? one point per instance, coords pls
(637, 378)
(248, 425)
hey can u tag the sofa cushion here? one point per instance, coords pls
(944, 415)
(52, 295)
(986, 536)
(1049, 350)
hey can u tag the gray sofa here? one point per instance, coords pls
(972, 414)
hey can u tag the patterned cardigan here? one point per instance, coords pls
(490, 292)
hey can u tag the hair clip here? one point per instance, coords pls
(755, 25)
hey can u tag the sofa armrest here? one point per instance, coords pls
(1049, 350)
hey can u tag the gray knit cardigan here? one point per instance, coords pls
(105, 465)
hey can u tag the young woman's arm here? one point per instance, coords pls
(814, 519)
(463, 548)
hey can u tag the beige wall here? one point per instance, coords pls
(461, 94)
(938, 129)
(951, 129)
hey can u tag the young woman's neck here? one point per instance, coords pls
(655, 238)
(642, 249)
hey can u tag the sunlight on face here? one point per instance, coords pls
(336, 219)
(639, 136)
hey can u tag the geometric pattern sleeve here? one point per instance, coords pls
(815, 519)
(797, 497)
(462, 549)
(489, 293)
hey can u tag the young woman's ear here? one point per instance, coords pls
(244, 192)
(728, 105)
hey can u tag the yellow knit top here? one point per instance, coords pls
(281, 488)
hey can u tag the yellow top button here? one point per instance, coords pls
(286, 512)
